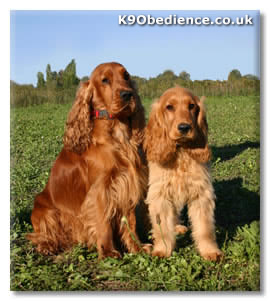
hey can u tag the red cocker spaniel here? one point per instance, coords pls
(178, 154)
(98, 178)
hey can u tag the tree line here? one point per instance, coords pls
(60, 87)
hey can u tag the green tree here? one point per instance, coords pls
(234, 75)
(48, 73)
(51, 78)
(167, 74)
(40, 80)
(84, 78)
(184, 75)
(250, 76)
(59, 79)
(69, 75)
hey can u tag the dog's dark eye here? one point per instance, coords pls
(191, 106)
(169, 107)
(105, 81)
(126, 76)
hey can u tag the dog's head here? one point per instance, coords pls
(177, 120)
(113, 90)
(109, 88)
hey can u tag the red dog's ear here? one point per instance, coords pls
(200, 150)
(79, 124)
(137, 119)
(157, 144)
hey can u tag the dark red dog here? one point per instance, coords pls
(98, 178)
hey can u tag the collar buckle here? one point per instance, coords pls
(101, 114)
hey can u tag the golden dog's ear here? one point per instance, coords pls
(200, 150)
(79, 124)
(201, 121)
(158, 146)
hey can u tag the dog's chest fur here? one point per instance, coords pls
(180, 182)
(131, 179)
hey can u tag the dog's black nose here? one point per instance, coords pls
(126, 95)
(184, 128)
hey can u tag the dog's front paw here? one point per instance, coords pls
(109, 253)
(147, 248)
(214, 255)
(180, 229)
(161, 252)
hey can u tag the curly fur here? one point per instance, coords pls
(79, 124)
(179, 173)
(99, 175)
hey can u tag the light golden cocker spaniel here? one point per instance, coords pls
(178, 154)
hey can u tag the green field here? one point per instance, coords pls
(36, 139)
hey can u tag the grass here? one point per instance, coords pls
(36, 138)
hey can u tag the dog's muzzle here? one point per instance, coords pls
(126, 95)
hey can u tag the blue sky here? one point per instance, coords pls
(94, 37)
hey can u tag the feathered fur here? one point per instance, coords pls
(98, 177)
(178, 153)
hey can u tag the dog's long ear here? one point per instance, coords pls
(200, 150)
(157, 144)
(138, 124)
(137, 119)
(201, 121)
(79, 125)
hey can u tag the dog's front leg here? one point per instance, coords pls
(201, 214)
(163, 221)
(98, 214)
